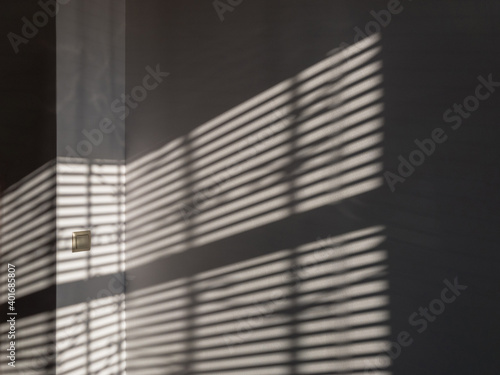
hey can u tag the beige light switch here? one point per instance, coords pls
(81, 241)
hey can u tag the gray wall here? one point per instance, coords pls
(28, 92)
(28, 186)
(200, 282)
(61, 171)
(90, 176)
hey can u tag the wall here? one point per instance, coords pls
(28, 187)
(28, 92)
(90, 178)
(28, 242)
(262, 235)
(62, 171)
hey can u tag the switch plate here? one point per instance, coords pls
(81, 241)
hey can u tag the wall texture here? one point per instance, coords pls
(263, 235)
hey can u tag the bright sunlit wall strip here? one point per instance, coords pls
(321, 143)
(259, 316)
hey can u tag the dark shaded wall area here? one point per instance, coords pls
(28, 184)
(28, 94)
(194, 273)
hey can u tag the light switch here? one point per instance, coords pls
(81, 241)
